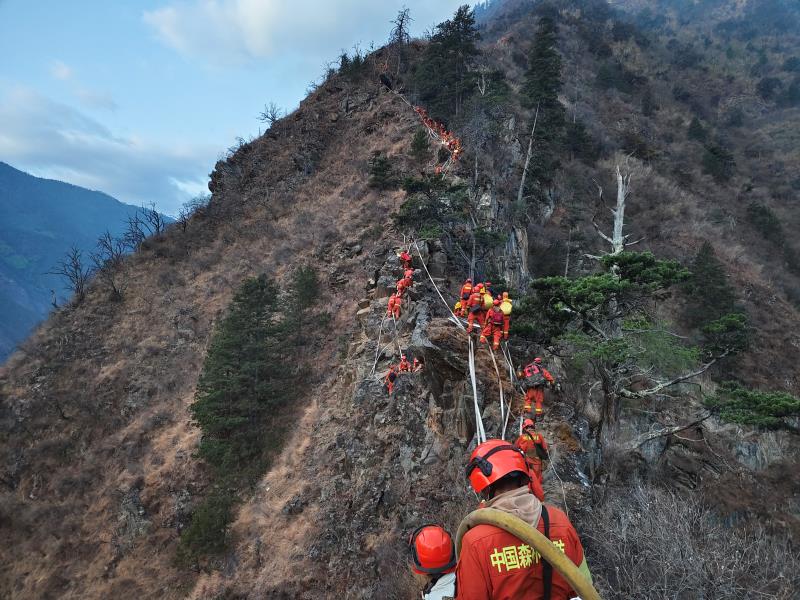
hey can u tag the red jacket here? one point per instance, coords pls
(495, 565)
(495, 317)
(466, 291)
(532, 444)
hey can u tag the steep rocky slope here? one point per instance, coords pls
(99, 473)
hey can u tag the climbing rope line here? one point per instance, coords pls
(396, 335)
(499, 385)
(480, 431)
(506, 353)
(424, 266)
(377, 347)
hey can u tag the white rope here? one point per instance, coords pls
(397, 335)
(377, 347)
(506, 353)
(478, 420)
(424, 266)
(499, 385)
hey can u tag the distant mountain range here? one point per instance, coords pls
(40, 219)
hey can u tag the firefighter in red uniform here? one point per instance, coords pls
(466, 291)
(404, 366)
(534, 377)
(405, 259)
(393, 308)
(506, 307)
(494, 564)
(534, 446)
(408, 274)
(475, 307)
(403, 285)
(390, 378)
(493, 325)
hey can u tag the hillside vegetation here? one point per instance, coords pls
(221, 430)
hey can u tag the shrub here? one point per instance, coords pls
(652, 543)
(420, 146)
(737, 404)
(768, 87)
(381, 174)
(766, 222)
(207, 532)
(696, 131)
(718, 162)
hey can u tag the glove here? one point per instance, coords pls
(558, 388)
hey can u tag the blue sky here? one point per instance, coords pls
(140, 98)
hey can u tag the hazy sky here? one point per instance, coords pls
(139, 98)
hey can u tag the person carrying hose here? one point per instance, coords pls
(534, 446)
(433, 554)
(494, 564)
(493, 325)
(405, 259)
(475, 307)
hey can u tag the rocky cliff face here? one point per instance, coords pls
(98, 473)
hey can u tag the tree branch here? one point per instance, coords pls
(647, 437)
(661, 386)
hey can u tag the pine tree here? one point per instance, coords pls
(710, 293)
(381, 174)
(696, 131)
(242, 383)
(540, 93)
(420, 146)
(718, 162)
(442, 77)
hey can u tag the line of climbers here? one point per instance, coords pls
(494, 564)
(393, 310)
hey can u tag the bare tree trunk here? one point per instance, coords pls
(527, 158)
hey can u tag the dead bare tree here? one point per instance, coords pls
(527, 159)
(153, 220)
(77, 275)
(399, 38)
(134, 234)
(109, 263)
(271, 114)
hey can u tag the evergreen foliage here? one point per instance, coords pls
(420, 146)
(543, 82)
(718, 162)
(766, 222)
(244, 380)
(649, 105)
(442, 77)
(696, 131)
(245, 393)
(381, 173)
(710, 293)
(738, 404)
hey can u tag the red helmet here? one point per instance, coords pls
(496, 302)
(488, 283)
(491, 461)
(469, 280)
(528, 424)
(537, 360)
(432, 550)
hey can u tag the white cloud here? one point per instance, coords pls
(235, 31)
(60, 70)
(51, 139)
(96, 100)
